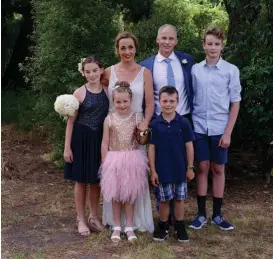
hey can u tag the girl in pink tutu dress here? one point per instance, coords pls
(125, 165)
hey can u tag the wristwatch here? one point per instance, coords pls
(190, 167)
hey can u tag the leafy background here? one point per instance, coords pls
(43, 40)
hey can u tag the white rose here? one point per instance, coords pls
(66, 105)
(80, 66)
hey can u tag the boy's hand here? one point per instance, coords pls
(190, 175)
(154, 179)
(225, 140)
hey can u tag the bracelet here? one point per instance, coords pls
(190, 167)
(144, 133)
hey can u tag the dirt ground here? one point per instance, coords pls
(38, 215)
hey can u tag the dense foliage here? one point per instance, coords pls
(16, 25)
(190, 19)
(67, 30)
(250, 47)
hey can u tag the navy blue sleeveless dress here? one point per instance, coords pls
(86, 139)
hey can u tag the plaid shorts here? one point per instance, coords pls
(169, 191)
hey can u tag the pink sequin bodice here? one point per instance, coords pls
(122, 133)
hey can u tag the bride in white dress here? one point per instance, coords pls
(140, 80)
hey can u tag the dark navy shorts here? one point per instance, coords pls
(207, 148)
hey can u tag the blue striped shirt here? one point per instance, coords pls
(214, 88)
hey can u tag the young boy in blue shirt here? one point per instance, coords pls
(171, 155)
(216, 101)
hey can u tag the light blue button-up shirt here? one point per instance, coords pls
(214, 88)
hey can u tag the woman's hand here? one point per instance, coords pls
(143, 126)
(68, 155)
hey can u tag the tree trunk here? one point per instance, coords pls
(12, 77)
(243, 15)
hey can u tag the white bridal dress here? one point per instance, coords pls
(143, 217)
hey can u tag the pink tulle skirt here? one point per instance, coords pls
(124, 175)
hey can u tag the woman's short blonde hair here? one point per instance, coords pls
(125, 35)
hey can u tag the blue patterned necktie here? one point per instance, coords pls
(170, 74)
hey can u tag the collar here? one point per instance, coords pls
(161, 119)
(159, 58)
(218, 64)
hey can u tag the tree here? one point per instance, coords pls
(66, 31)
(250, 44)
(190, 19)
(133, 10)
(17, 25)
(243, 15)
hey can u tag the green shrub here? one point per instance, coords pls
(258, 98)
(190, 19)
(66, 31)
(18, 107)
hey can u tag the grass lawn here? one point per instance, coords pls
(38, 215)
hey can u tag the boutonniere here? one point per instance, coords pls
(184, 61)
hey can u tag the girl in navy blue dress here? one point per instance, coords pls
(83, 144)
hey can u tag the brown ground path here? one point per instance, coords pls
(38, 219)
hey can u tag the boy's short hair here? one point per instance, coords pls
(215, 31)
(169, 90)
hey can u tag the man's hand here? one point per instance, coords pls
(154, 179)
(225, 140)
(190, 175)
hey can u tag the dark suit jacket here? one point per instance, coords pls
(149, 63)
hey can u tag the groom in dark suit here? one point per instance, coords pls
(173, 68)
(180, 63)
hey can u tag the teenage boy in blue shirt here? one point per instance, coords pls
(216, 102)
(171, 155)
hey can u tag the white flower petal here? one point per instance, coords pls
(66, 105)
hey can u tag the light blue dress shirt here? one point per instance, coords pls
(214, 88)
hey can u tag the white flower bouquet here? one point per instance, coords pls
(66, 105)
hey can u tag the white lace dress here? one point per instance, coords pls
(143, 217)
(137, 87)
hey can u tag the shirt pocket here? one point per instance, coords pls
(220, 85)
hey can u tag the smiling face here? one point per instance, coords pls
(92, 72)
(122, 102)
(213, 46)
(126, 49)
(166, 40)
(168, 103)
